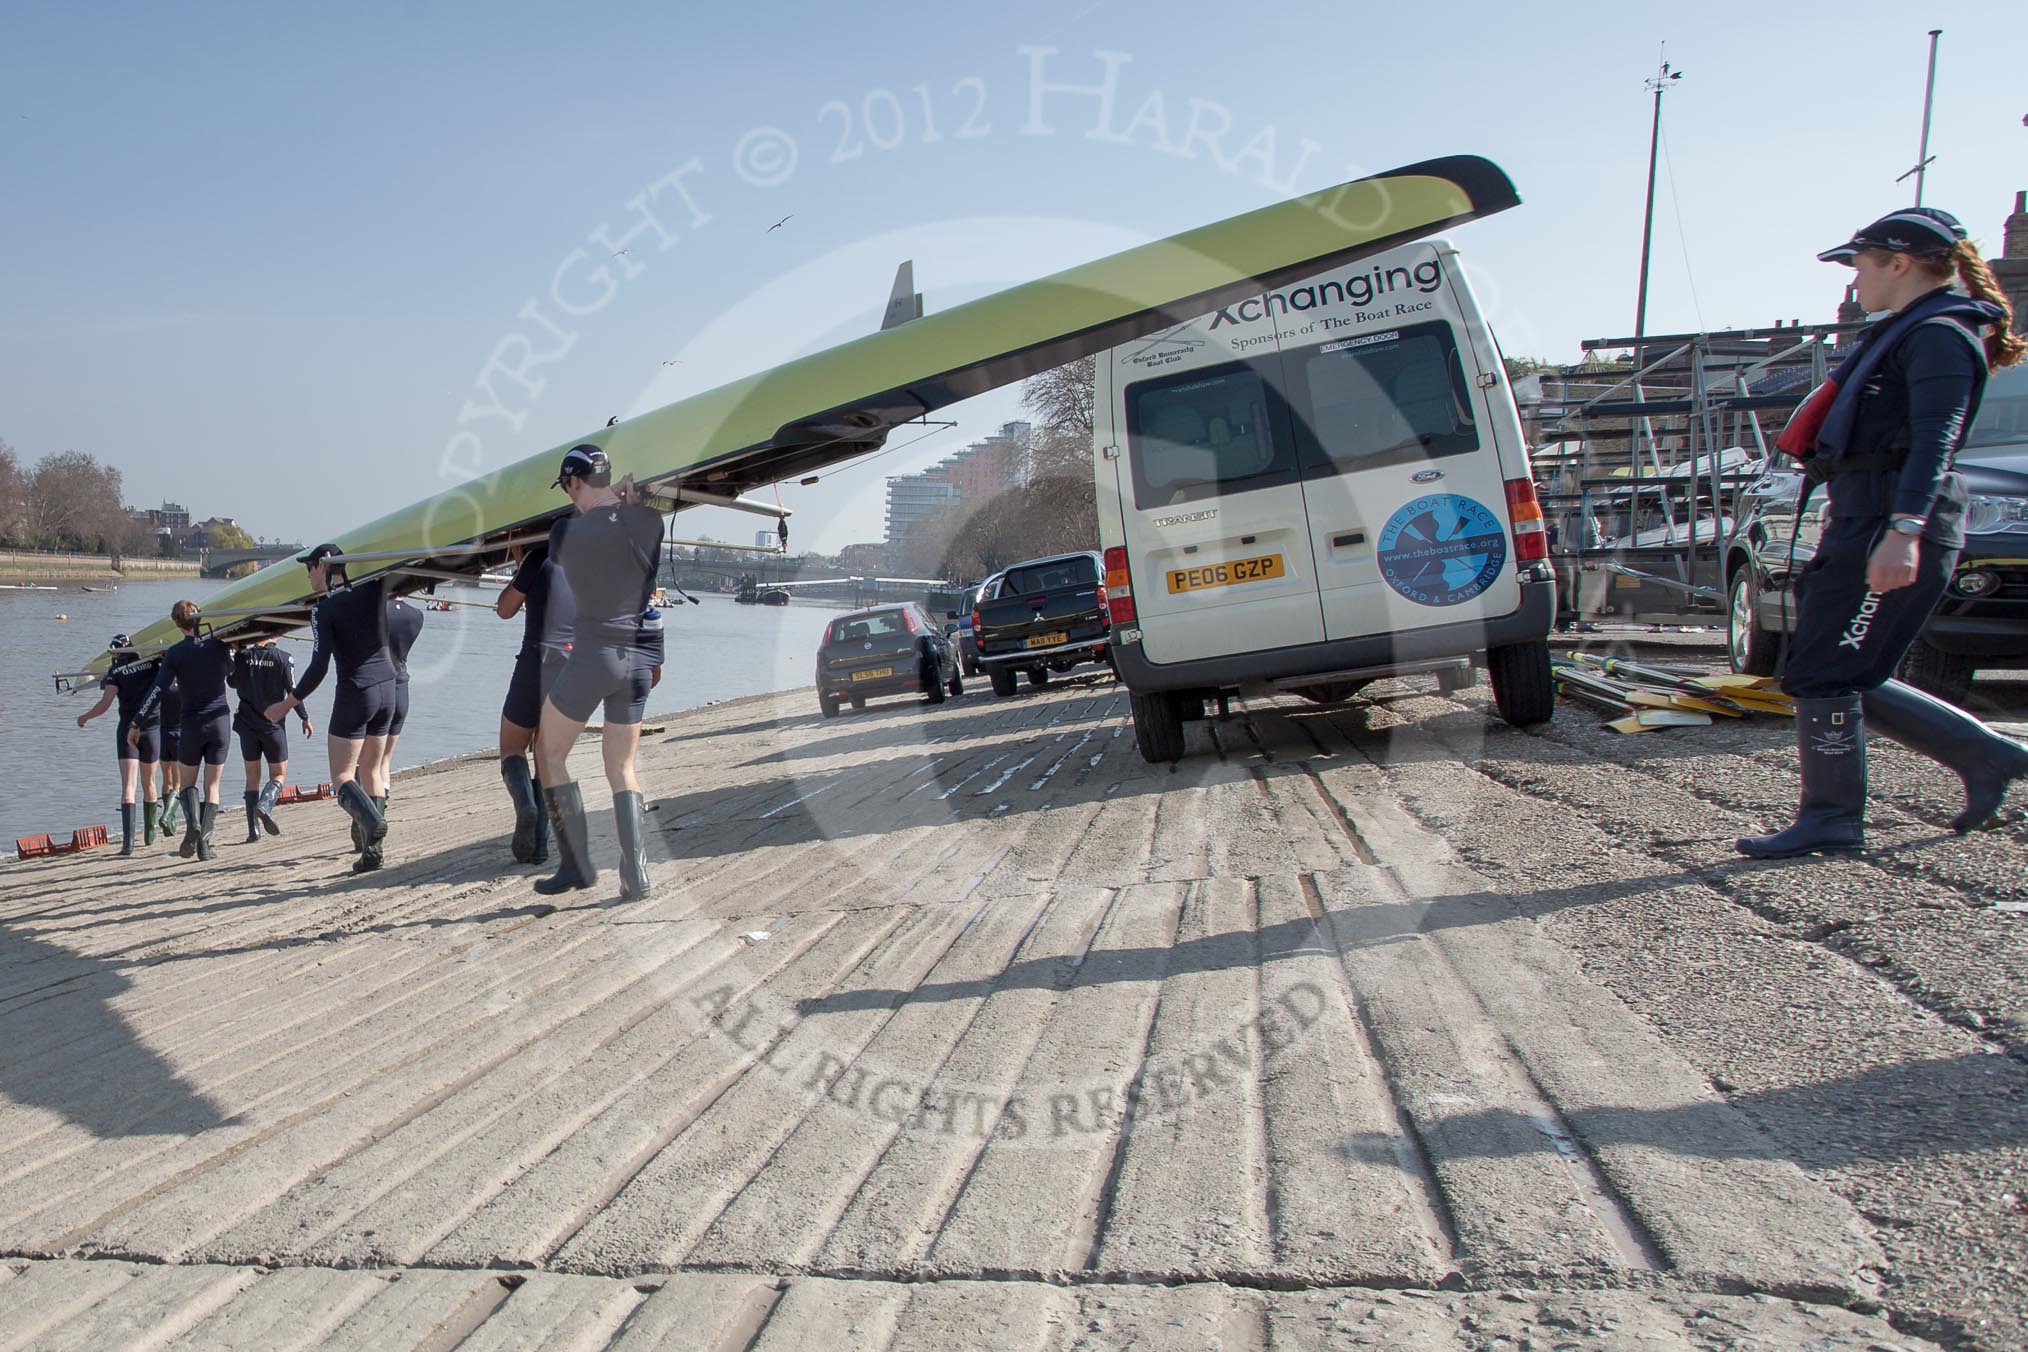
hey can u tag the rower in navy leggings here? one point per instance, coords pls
(350, 628)
(198, 667)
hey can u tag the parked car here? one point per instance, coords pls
(886, 650)
(1042, 615)
(1982, 620)
(958, 629)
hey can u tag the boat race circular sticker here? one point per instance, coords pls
(1442, 549)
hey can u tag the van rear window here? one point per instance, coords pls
(1381, 399)
(1204, 433)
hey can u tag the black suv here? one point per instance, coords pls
(1042, 615)
(1982, 620)
(887, 650)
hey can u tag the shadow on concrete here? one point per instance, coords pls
(66, 1049)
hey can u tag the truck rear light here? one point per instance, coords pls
(976, 624)
(1531, 543)
(1117, 595)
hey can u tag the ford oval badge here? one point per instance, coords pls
(1427, 476)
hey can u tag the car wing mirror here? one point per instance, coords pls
(1775, 486)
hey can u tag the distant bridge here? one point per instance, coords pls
(217, 562)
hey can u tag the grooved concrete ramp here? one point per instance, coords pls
(954, 1027)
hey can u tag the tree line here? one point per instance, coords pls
(1052, 511)
(66, 501)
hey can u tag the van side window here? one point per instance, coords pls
(1381, 399)
(1203, 434)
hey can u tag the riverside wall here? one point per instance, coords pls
(21, 565)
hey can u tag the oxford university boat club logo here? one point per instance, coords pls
(1442, 549)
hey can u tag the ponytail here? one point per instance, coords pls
(2003, 346)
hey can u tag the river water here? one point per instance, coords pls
(54, 776)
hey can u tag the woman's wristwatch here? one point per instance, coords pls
(1907, 525)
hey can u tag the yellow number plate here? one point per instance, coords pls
(1047, 640)
(872, 673)
(1225, 574)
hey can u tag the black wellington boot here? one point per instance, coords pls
(627, 817)
(253, 821)
(371, 851)
(368, 826)
(127, 829)
(527, 807)
(566, 818)
(1982, 758)
(264, 806)
(187, 799)
(206, 815)
(148, 821)
(540, 854)
(1831, 750)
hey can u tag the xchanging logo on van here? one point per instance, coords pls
(1442, 549)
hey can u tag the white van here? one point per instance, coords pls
(1317, 487)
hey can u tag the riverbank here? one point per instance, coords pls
(962, 1026)
(20, 565)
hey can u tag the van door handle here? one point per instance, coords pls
(1348, 539)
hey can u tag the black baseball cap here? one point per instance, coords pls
(1916, 230)
(583, 462)
(320, 553)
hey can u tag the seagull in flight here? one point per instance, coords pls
(673, 361)
(780, 223)
(618, 252)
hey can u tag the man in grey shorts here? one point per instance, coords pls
(608, 551)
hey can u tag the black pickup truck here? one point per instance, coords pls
(1041, 616)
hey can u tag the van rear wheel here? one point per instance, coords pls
(1523, 691)
(1158, 726)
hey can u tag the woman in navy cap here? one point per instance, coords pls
(128, 681)
(608, 549)
(1881, 435)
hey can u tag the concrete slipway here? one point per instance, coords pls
(1376, 1027)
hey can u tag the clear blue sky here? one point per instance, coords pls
(259, 257)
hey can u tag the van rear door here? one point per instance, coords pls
(1208, 489)
(1399, 451)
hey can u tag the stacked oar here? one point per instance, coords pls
(1642, 696)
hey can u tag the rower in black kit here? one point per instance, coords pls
(199, 667)
(404, 627)
(541, 596)
(350, 629)
(608, 551)
(128, 681)
(262, 673)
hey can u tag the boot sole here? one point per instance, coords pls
(267, 823)
(188, 847)
(1800, 854)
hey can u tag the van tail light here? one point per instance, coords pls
(908, 618)
(1531, 543)
(1118, 592)
(977, 624)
